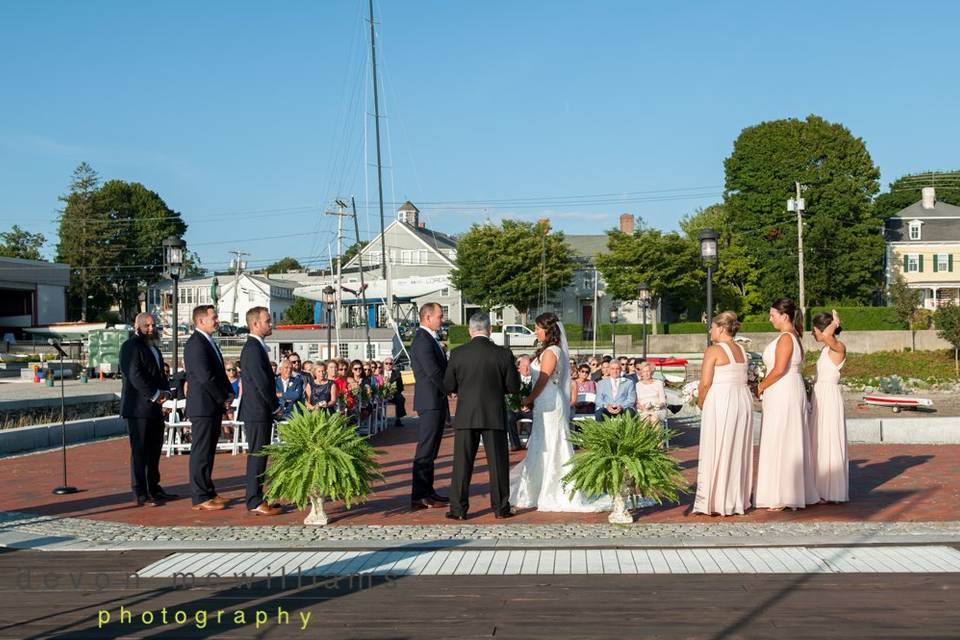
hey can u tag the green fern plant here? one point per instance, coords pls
(320, 455)
(624, 451)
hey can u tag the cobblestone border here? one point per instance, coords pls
(106, 533)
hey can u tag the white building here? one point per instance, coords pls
(233, 302)
(32, 292)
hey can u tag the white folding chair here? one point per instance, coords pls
(175, 428)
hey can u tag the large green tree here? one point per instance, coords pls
(843, 241)
(905, 191)
(283, 265)
(667, 262)
(506, 265)
(20, 243)
(111, 236)
(300, 312)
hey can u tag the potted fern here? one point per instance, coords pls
(621, 455)
(320, 456)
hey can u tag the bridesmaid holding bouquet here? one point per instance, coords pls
(828, 425)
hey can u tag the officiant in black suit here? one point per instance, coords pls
(209, 395)
(430, 402)
(481, 374)
(258, 406)
(145, 388)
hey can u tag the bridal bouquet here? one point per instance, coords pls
(388, 390)
(691, 393)
(756, 372)
(515, 400)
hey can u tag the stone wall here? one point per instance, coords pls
(856, 341)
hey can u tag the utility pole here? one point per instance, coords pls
(238, 267)
(339, 275)
(797, 204)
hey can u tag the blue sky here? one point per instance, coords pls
(250, 118)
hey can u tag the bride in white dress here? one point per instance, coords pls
(536, 482)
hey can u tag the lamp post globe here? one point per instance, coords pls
(710, 256)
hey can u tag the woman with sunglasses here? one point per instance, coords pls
(582, 386)
(359, 386)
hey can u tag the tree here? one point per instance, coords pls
(905, 191)
(947, 320)
(300, 312)
(20, 243)
(353, 250)
(283, 265)
(906, 303)
(736, 285)
(843, 243)
(505, 265)
(192, 268)
(668, 263)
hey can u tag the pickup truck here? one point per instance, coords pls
(520, 336)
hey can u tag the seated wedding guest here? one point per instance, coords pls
(615, 394)
(595, 373)
(290, 389)
(651, 395)
(296, 366)
(573, 369)
(233, 375)
(624, 364)
(514, 417)
(725, 466)
(393, 376)
(604, 370)
(323, 391)
(630, 371)
(583, 388)
(357, 381)
(273, 365)
(828, 427)
(308, 370)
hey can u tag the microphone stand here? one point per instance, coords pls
(64, 489)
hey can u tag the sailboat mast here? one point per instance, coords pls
(376, 121)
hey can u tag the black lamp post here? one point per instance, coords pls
(329, 297)
(644, 292)
(173, 249)
(710, 257)
(614, 318)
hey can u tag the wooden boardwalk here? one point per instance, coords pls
(69, 595)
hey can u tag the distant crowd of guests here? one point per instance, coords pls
(609, 387)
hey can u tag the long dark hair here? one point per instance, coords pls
(789, 308)
(823, 320)
(550, 323)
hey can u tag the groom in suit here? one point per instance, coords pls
(258, 406)
(430, 402)
(616, 395)
(209, 395)
(481, 374)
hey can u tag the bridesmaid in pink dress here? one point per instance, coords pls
(725, 468)
(785, 475)
(828, 426)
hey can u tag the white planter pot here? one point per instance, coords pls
(316, 516)
(620, 514)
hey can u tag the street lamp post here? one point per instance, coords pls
(614, 318)
(329, 297)
(710, 257)
(173, 250)
(644, 291)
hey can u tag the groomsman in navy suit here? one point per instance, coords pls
(616, 395)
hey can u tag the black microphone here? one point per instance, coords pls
(56, 345)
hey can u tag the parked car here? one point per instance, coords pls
(519, 336)
(227, 329)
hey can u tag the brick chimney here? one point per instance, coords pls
(626, 223)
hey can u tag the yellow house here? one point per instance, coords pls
(923, 242)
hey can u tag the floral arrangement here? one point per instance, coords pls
(388, 390)
(756, 372)
(691, 393)
(515, 400)
(361, 395)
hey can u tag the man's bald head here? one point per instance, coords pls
(145, 325)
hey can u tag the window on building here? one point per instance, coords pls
(249, 296)
(446, 310)
(915, 230)
(371, 351)
(274, 316)
(406, 256)
(913, 263)
(941, 262)
(444, 292)
(343, 349)
(423, 257)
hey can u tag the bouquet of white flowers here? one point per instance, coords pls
(756, 372)
(691, 393)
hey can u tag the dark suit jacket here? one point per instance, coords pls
(259, 401)
(142, 378)
(396, 377)
(207, 384)
(429, 365)
(481, 373)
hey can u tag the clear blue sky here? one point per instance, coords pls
(249, 118)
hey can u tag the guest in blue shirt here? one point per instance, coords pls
(616, 395)
(290, 389)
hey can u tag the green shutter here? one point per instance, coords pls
(906, 262)
(936, 258)
(920, 263)
(950, 262)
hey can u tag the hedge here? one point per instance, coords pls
(862, 318)
(458, 333)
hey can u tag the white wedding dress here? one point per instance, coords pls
(536, 482)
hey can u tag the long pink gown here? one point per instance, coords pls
(725, 469)
(785, 474)
(829, 432)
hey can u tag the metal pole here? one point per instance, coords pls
(64, 488)
(329, 320)
(376, 121)
(596, 310)
(614, 335)
(363, 292)
(643, 305)
(176, 325)
(709, 300)
(803, 298)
